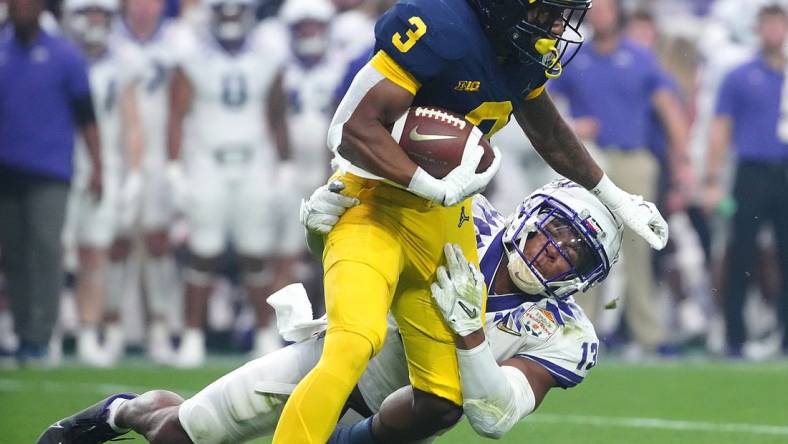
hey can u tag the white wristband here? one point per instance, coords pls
(608, 193)
(426, 186)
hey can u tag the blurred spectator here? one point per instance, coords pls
(311, 75)
(91, 227)
(751, 116)
(687, 280)
(353, 28)
(611, 90)
(227, 134)
(153, 39)
(44, 98)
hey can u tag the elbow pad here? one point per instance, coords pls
(495, 398)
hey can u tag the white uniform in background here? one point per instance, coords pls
(155, 208)
(352, 32)
(157, 61)
(523, 171)
(228, 150)
(310, 92)
(247, 402)
(91, 222)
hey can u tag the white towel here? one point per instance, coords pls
(294, 313)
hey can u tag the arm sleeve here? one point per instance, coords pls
(494, 398)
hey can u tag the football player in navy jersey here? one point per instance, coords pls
(486, 60)
(561, 240)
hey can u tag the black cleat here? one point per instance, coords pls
(86, 427)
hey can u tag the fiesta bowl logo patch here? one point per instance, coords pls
(539, 323)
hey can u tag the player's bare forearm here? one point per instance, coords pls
(470, 341)
(366, 141)
(277, 104)
(180, 101)
(555, 141)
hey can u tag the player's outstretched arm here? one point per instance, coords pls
(563, 151)
(495, 397)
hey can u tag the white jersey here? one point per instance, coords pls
(156, 59)
(91, 222)
(555, 334)
(227, 120)
(110, 75)
(310, 92)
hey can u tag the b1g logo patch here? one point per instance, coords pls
(539, 323)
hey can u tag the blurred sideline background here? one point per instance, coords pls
(164, 277)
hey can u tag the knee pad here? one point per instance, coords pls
(352, 349)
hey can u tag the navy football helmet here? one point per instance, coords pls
(546, 32)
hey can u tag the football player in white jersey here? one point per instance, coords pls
(561, 240)
(223, 162)
(93, 225)
(143, 27)
(312, 74)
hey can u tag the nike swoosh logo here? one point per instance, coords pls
(56, 425)
(416, 136)
(468, 311)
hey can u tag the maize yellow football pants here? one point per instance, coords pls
(382, 255)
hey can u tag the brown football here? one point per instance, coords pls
(435, 138)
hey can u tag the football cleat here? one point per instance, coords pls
(89, 426)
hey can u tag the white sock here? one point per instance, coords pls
(160, 277)
(113, 411)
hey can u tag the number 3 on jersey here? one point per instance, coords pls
(420, 28)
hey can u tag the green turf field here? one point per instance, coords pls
(674, 402)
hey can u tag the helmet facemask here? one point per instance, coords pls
(309, 41)
(553, 250)
(231, 22)
(545, 32)
(90, 28)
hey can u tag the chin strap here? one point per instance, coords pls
(547, 48)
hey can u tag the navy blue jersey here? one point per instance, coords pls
(441, 53)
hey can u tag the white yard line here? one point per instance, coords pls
(103, 389)
(657, 423)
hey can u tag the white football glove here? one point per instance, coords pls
(641, 216)
(459, 293)
(462, 182)
(321, 212)
(177, 184)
